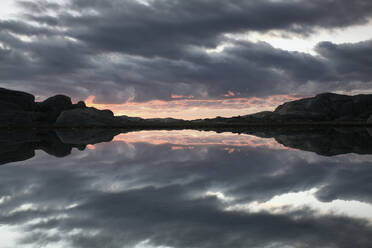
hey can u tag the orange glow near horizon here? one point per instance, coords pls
(91, 147)
(188, 108)
(189, 139)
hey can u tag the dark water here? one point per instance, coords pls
(188, 189)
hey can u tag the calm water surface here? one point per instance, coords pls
(187, 189)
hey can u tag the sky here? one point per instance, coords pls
(186, 59)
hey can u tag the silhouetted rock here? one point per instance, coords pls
(79, 105)
(11, 100)
(369, 120)
(55, 103)
(129, 119)
(327, 107)
(262, 115)
(87, 117)
(163, 121)
(16, 108)
(17, 118)
(19, 109)
(53, 106)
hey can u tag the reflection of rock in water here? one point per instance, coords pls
(13, 148)
(86, 136)
(335, 142)
(323, 141)
(19, 145)
(327, 142)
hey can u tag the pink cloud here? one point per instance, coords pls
(186, 107)
(189, 139)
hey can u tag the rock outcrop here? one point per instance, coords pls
(16, 107)
(327, 107)
(87, 117)
(19, 109)
(53, 106)
(11, 100)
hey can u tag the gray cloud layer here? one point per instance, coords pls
(118, 50)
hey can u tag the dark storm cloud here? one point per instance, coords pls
(350, 61)
(118, 50)
(166, 28)
(128, 193)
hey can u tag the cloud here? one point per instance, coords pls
(162, 45)
(350, 61)
(166, 28)
(185, 107)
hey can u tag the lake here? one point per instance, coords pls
(187, 188)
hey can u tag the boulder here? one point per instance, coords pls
(61, 102)
(53, 106)
(87, 117)
(79, 105)
(11, 100)
(20, 109)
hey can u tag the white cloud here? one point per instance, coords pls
(352, 34)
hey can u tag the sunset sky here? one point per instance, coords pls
(186, 58)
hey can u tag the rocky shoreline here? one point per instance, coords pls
(19, 109)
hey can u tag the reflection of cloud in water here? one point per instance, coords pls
(190, 138)
(288, 202)
(141, 194)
